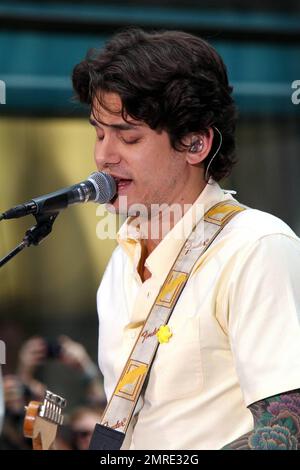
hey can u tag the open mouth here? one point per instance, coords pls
(122, 183)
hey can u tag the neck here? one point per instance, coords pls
(158, 225)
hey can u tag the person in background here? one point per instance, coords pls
(22, 387)
(81, 425)
(37, 351)
(16, 397)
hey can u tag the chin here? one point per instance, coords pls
(123, 206)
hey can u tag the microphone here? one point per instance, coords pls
(99, 187)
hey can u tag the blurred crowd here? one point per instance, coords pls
(23, 386)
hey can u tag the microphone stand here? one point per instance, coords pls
(34, 235)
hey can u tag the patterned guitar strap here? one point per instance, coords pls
(110, 433)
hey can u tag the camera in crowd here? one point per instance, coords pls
(54, 348)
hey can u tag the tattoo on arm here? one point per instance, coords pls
(276, 424)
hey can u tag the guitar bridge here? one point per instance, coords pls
(51, 408)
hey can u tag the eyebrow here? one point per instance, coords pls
(121, 127)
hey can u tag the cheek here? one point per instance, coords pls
(97, 156)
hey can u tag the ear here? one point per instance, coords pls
(199, 146)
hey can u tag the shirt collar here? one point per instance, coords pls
(160, 261)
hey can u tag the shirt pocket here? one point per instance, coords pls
(177, 368)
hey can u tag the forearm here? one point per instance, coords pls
(276, 425)
(242, 443)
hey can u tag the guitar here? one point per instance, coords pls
(41, 420)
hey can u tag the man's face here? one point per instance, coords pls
(147, 169)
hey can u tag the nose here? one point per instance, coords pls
(106, 153)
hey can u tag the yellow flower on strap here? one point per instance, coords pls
(164, 334)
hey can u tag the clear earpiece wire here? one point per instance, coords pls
(216, 152)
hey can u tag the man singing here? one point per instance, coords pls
(227, 369)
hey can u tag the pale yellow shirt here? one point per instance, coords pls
(236, 333)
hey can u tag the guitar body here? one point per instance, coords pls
(41, 421)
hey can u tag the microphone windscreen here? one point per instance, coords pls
(105, 186)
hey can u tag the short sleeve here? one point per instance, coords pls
(264, 317)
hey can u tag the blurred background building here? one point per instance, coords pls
(46, 142)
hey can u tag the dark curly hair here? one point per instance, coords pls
(172, 81)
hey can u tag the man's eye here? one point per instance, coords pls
(131, 141)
